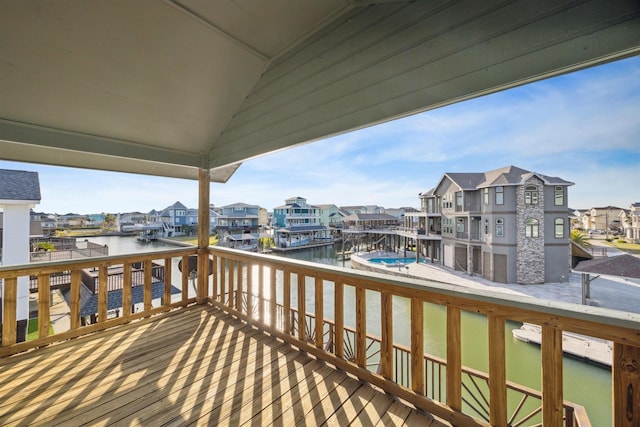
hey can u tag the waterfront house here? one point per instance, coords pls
(509, 225)
(238, 226)
(191, 90)
(297, 224)
(331, 215)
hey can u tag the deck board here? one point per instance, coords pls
(199, 366)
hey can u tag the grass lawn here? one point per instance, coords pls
(32, 329)
(630, 248)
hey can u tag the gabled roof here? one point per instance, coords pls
(619, 265)
(19, 185)
(176, 205)
(240, 205)
(506, 176)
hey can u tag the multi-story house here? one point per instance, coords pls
(604, 219)
(238, 226)
(331, 215)
(364, 209)
(510, 225)
(297, 224)
(632, 223)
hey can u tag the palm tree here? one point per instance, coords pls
(580, 238)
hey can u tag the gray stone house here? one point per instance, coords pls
(509, 225)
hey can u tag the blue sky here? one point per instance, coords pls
(583, 127)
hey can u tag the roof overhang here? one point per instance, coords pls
(170, 87)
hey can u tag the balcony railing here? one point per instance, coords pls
(345, 337)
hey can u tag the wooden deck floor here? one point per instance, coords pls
(195, 366)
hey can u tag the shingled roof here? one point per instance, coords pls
(620, 265)
(19, 185)
(508, 175)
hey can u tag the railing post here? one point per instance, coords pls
(551, 347)
(103, 292)
(239, 286)
(185, 277)
(302, 303)
(167, 281)
(361, 327)
(74, 305)
(626, 385)
(232, 281)
(454, 359)
(126, 289)
(319, 312)
(250, 291)
(386, 346)
(261, 293)
(497, 372)
(417, 345)
(286, 301)
(148, 294)
(339, 318)
(272, 298)
(44, 292)
(9, 301)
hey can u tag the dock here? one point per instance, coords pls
(590, 349)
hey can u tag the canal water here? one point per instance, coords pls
(585, 384)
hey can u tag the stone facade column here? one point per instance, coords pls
(530, 263)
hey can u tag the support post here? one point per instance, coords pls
(626, 385)
(203, 235)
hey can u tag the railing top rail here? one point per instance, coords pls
(594, 321)
(16, 270)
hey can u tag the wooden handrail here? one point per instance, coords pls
(621, 328)
(234, 270)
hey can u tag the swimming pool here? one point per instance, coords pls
(394, 261)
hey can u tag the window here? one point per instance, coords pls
(531, 228)
(447, 225)
(459, 201)
(499, 195)
(559, 228)
(499, 227)
(558, 195)
(486, 226)
(531, 195)
(447, 201)
(485, 193)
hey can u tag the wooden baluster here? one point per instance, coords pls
(74, 296)
(9, 305)
(386, 346)
(44, 317)
(167, 281)
(148, 295)
(239, 287)
(185, 278)
(126, 290)
(454, 359)
(339, 318)
(497, 372)
(103, 292)
(626, 385)
(319, 305)
(223, 280)
(232, 281)
(250, 291)
(261, 293)
(361, 327)
(286, 290)
(272, 298)
(214, 294)
(301, 307)
(417, 345)
(551, 348)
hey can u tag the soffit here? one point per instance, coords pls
(167, 87)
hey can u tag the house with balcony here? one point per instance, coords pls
(509, 225)
(423, 229)
(298, 225)
(238, 226)
(217, 86)
(331, 215)
(603, 219)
